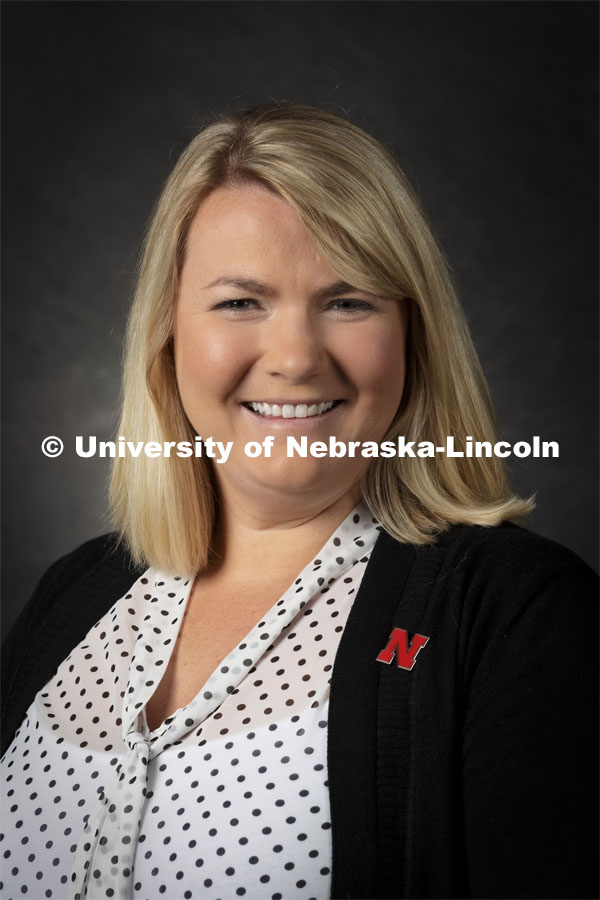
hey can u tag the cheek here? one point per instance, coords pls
(376, 365)
(208, 363)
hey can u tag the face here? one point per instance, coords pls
(269, 341)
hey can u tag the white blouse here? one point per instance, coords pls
(228, 797)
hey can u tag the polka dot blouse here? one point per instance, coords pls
(228, 797)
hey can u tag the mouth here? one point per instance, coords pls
(291, 410)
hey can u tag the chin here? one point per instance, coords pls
(304, 476)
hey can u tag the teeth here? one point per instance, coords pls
(291, 411)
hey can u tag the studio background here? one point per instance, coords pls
(491, 108)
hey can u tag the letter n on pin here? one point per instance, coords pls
(398, 646)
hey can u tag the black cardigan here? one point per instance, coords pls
(473, 774)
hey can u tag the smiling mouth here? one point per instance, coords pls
(291, 410)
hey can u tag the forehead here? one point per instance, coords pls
(251, 226)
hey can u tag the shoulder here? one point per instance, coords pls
(72, 595)
(519, 609)
(100, 567)
(501, 572)
(73, 588)
(510, 587)
(104, 549)
(505, 557)
(508, 555)
(484, 590)
(99, 561)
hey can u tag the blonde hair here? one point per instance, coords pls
(366, 222)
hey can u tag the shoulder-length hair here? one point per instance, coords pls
(366, 222)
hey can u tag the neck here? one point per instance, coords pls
(252, 540)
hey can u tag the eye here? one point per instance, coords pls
(350, 305)
(238, 305)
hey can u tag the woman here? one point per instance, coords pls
(302, 676)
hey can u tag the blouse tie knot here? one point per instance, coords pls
(139, 745)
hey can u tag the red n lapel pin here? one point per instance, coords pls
(398, 646)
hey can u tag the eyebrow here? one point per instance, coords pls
(265, 290)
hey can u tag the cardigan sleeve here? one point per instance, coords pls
(530, 721)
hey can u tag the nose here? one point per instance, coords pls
(294, 346)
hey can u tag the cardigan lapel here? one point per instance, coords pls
(354, 724)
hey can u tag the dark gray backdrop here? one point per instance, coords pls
(490, 106)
